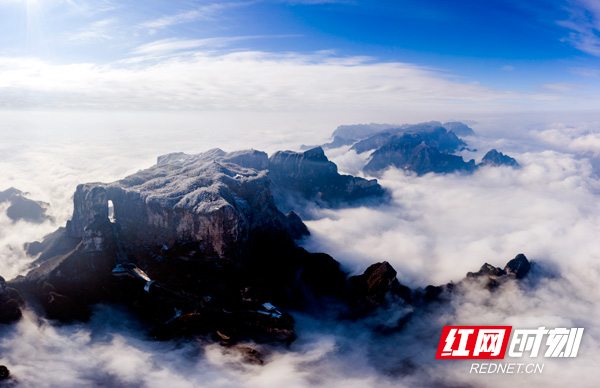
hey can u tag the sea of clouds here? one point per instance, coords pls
(434, 230)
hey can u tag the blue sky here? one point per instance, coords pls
(438, 53)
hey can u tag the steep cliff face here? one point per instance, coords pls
(215, 199)
(314, 177)
(90, 202)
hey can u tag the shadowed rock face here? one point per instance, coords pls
(90, 202)
(4, 373)
(314, 177)
(518, 267)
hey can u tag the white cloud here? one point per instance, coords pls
(507, 68)
(583, 139)
(249, 80)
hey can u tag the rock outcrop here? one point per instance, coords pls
(377, 283)
(492, 276)
(421, 152)
(10, 303)
(494, 158)
(4, 373)
(312, 176)
(518, 267)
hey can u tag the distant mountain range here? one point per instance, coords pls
(420, 148)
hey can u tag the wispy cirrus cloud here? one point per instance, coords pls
(101, 30)
(584, 23)
(170, 45)
(204, 12)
